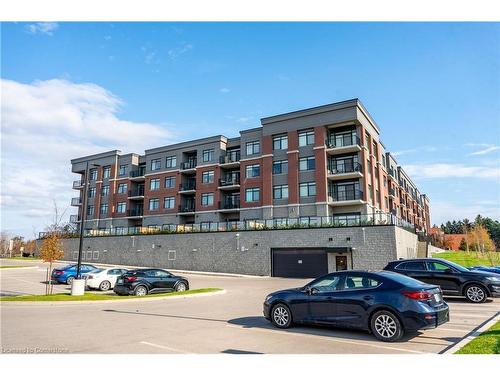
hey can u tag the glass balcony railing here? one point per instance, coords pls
(349, 167)
(348, 195)
(342, 140)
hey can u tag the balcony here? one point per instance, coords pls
(136, 193)
(345, 198)
(339, 144)
(76, 201)
(229, 182)
(78, 184)
(392, 192)
(350, 169)
(231, 159)
(392, 174)
(135, 212)
(74, 219)
(137, 175)
(188, 187)
(187, 208)
(188, 166)
(230, 204)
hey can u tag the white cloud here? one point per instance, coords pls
(413, 150)
(224, 90)
(45, 28)
(486, 150)
(443, 170)
(44, 125)
(174, 53)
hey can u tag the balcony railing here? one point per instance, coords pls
(350, 195)
(138, 173)
(135, 212)
(344, 140)
(229, 180)
(186, 207)
(188, 185)
(139, 192)
(76, 201)
(77, 184)
(188, 165)
(392, 192)
(349, 167)
(230, 157)
(229, 204)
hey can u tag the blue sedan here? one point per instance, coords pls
(384, 303)
(67, 274)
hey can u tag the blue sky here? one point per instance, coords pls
(433, 89)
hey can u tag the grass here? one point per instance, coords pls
(471, 259)
(97, 297)
(23, 258)
(486, 343)
(12, 267)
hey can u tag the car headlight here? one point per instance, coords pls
(494, 279)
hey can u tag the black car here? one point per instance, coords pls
(146, 281)
(384, 303)
(453, 279)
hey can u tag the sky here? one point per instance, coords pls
(73, 89)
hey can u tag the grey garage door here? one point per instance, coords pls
(299, 263)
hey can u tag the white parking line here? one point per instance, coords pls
(329, 338)
(471, 315)
(164, 347)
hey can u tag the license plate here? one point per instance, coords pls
(438, 298)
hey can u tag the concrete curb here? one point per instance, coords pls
(487, 324)
(148, 299)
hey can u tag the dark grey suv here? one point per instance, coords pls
(453, 279)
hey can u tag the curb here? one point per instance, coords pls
(60, 303)
(483, 327)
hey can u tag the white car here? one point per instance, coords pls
(103, 278)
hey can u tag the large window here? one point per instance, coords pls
(91, 192)
(155, 164)
(106, 172)
(280, 192)
(122, 170)
(253, 170)
(306, 164)
(207, 177)
(306, 138)
(104, 208)
(93, 174)
(253, 147)
(171, 162)
(154, 184)
(280, 167)
(208, 155)
(121, 207)
(307, 189)
(169, 203)
(252, 195)
(122, 188)
(170, 182)
(207, 199)
(280, 142)
(154, 204)
(105, 191)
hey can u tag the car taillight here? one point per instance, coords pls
(420, 295)
(58, 272)
(130, 279)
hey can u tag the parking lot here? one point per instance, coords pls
(223, 323)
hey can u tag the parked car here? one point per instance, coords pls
(453, 279)
(146, 281)
(67, 274)
(103, 279)
(384, 303)
(485, 269)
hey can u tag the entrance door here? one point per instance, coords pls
(341, 263)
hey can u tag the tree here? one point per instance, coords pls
(50, 251)
(4, 244)
(463, 245)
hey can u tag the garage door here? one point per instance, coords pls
(299, 263)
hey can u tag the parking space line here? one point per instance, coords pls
(329, 338)
(164, 347)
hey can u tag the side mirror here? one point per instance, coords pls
(310, 290)
(449, 270)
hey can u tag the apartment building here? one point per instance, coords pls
(322, 163)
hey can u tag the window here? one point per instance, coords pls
(375, 150)
(307, 189)
(280, 142)
(155, 164)
(360, 282)
(171, 162)
(253, 170)
(306, 138)
(93, 174)
(306, 164)
(347, 219)
(377, 197)
(253, 147)
(106, 172)
(411, 266)
(252, 195)
(122, 188)
(154, 204)
(208, 155)
(90, 210)
(121, 207)
(122, 170)
(280, 192)
(439, 267)
(207, 177)
(207, 199)
(326, 284)
(385, 181)
(105, 191)
(169, 203)
(280, 167)
(154, 184)
(170, 182)
(367, 140)
(91, 192)
(104, 208)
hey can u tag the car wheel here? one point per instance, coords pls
(475, 293)
(105, 285)
(181, 287)
(69, 280)
(281, 316)
(386, 326)
(140, 291)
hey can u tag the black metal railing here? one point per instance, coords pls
(188, 165)
(76, 201)
(135, 212)
(138, 173)
(230, 157)
(229, 204)
(77, 184)
(187, 185)
(348, 195)
(187, 207)
(346, 167)
(138, 192)
(343, 140)
(230, 180)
